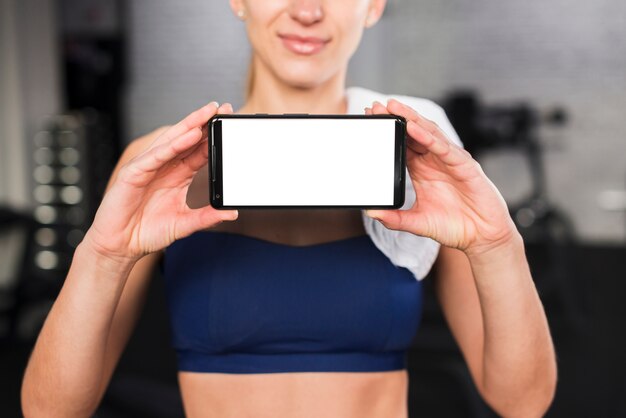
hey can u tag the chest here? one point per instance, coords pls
(231, 293)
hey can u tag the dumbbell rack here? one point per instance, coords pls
(73, 156)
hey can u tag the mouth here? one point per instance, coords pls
(303, 45)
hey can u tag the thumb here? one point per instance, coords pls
(203, 218)
(391, 219)
(401, 220)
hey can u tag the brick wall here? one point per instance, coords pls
(549, 53)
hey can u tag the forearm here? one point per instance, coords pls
(63, 376)
(519, 368)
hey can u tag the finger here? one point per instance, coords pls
(198, 156)
(379, 109)
(196, 119)
(415, 147)
(399, 108)
(158, 156)
(427, 134)
(368, 110)
(198, 219)
(399, 220)
(411, 156)
(225, 108)
(446, 151)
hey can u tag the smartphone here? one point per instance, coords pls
(307, 161)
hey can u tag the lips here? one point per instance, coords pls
(303, 45)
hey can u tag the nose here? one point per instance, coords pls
(307, 12)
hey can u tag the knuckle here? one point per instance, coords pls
(126, 167)
(432, 127)
(477, 167)
(127, 172)
(465, 153)
(446, 150)
(188, 122)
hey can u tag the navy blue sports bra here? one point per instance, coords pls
(245, 305)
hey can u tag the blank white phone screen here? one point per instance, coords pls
(308, 162)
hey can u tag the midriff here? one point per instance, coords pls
(302, 395)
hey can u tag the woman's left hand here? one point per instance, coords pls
(456, 204)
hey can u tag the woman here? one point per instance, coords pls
(301, 50)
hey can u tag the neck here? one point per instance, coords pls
(271, 95)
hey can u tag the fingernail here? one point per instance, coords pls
(371, 214)
(214, 103)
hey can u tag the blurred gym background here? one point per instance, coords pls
(536, 90)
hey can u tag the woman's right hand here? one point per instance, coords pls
(145, 208)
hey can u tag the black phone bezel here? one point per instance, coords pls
(214, 131)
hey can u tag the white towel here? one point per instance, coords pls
(404, 249)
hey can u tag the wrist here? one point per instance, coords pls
(501, 249)
(102, 258)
